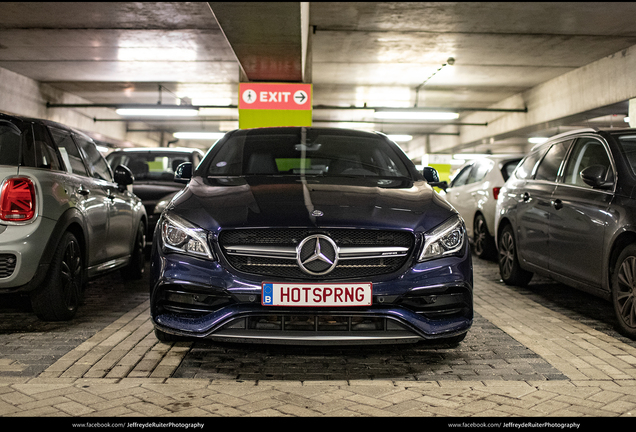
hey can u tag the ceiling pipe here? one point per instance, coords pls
(202, 120)
(316, 107)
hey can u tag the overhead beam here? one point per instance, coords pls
(599, 88)
(270, 39)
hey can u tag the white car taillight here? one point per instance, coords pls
(17, 200)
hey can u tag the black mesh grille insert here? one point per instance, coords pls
(288, 268)
(7, 265)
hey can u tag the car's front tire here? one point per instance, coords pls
(60, 295)
(509, 268)
(623, 291)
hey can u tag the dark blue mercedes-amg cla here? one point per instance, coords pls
(310, 236)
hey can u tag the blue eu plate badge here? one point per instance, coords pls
(268, 294)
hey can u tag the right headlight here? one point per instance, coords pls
(444, 240)
(178, 235)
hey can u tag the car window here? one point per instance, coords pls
(628, 146)
(10, 139)
(479, 171)
(68, 150)
(527, 167)
(586, 152)
(151, 165)
(508, 168)
(45, 154)
(316, 153)
(97, 165)
(548, 168)
(461, 178)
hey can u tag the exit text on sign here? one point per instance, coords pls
(274, 96)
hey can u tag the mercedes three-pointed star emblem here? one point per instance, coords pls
(317, 255)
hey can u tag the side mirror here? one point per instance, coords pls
(183, 173)
(597, 176)
(432, 177)
(123, 176)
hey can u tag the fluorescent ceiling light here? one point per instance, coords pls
(537, 140)
(467, 156)
(416, 115)
(199, 135)
(159, 112)
(400, 137)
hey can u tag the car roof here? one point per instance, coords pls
(618, 131)
(158, 149)
(281, 129)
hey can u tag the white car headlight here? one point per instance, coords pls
(178, 235)
(444, 240)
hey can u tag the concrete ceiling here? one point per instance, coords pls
(381, 54)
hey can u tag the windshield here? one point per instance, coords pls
(306, 153)
(628, 145)
(150, 165)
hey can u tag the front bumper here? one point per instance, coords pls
(198, 298)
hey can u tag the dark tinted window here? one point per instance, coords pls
(68, 150)
(549, 166)
(628, 146)
(45, 155)
(150, 165)
(586, 152)
(10, 139)
(97, 165)
(508, 168)
(316, 153)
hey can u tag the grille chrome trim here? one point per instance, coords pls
(344, 253)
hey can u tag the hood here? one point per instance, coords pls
(270, 201)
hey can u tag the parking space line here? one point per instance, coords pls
(578, 351)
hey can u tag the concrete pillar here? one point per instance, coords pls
(632, 113)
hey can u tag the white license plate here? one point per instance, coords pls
(317, 294)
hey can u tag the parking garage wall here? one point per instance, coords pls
(573, 95)
(23, 96)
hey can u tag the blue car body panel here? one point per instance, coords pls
(219, 204)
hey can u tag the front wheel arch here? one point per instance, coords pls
(623, 290)
(621, 242)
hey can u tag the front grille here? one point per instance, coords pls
(7, 265)
(272, 252)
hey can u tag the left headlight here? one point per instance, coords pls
(444, 240)
(181, 236)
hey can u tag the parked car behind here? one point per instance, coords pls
(569, 212)
(65, 216)
(310, 236)
(154, 170)
(474, 192)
